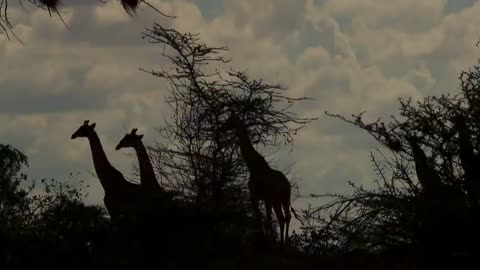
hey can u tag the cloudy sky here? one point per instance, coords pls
(351, 56)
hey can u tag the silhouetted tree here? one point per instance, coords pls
(198, 158)
(6, 26)
(33, 227)
(427, 194)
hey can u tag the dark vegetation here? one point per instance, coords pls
(426, 200)
(425, 203)
(209, 221)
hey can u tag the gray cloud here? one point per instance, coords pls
(59, 78)
(19, 100)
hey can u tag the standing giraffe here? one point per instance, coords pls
(265, 184)
(121, 197)
(147, 174)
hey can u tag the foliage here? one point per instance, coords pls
(427, 195)
(13, 199)
(367, 220)
(55, 221)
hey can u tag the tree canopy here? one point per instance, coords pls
(427, 192)
(196, 156)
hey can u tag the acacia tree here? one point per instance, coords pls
(13, 199)
(197, 157)
(428, 190)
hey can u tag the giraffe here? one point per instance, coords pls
(147, 175)
(265, 184)
(121, 196)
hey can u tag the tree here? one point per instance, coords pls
(198, 158)
(32, 227)
(6, 26)
(427, 195)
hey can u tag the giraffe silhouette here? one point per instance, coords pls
(139, 223)
(265, 184)
(442, 206)
(147, 174)
(121, 197)
(156, 199)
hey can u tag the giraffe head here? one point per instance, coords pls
(233, 122)
(130, 140)
(84, 130)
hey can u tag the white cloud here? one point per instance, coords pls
(410, 14)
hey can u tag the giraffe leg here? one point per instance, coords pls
(286, 209)
(277, 207)
(268, 219)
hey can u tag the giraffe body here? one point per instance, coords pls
(265, 184)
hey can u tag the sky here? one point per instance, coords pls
(349, 56)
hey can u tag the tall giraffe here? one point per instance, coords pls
(147, 174)
(121, 197)
(441, 207)
(265, 184)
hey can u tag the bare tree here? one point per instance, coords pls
(198, 158)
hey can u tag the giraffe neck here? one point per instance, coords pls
(147, 174)
(103, 168)
(427, 176)
(255, 162)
